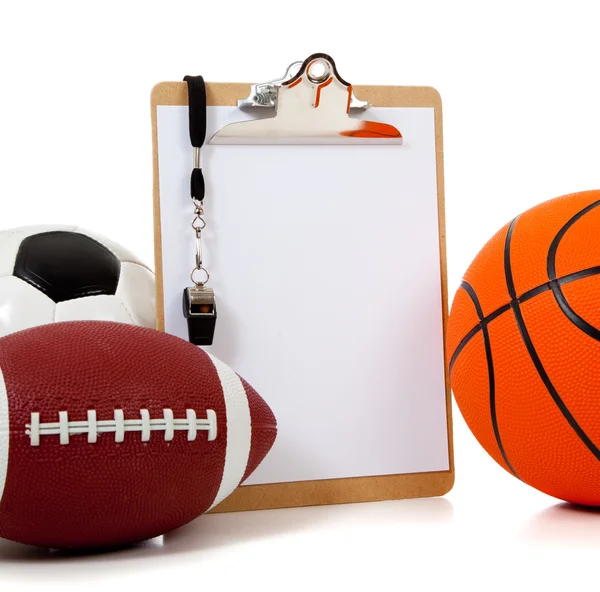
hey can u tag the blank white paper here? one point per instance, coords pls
(326, 267)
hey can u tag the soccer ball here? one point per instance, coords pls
(51, 274)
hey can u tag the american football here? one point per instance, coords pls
(112, 434)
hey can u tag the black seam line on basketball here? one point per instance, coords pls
(537, 362)
(578, 321)
(548, 383)
(491, 377)
(551, 264)
(463, 343)
(510, 284)
(559, 296)
(474, 332)
(511, 290)
(572, 277)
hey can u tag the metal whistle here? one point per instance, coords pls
(200, 310)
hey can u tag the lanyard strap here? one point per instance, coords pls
(199, 307)
(197, 109)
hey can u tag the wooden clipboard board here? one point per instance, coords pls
(338, 490)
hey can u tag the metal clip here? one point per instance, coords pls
(200, 310)
(264, 94)
(312, 107)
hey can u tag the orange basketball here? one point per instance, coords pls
(523, 347)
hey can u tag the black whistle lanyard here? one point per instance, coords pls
(199, 306)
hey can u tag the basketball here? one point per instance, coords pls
(523, 347)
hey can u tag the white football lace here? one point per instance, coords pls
(119, 425)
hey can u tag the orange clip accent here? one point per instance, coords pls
(373, 129)
(326, 83)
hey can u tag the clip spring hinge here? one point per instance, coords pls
(264, 94)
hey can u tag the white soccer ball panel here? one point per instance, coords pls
(11, 241)
(120, 251)
(94, 308)
(137, 292)
(22, 306)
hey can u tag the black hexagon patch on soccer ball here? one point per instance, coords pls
(67, 265)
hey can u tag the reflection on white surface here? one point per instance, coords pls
(564, 524)
(217, 534)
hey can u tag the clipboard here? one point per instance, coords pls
(237, 101)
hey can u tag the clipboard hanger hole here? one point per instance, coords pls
(318, 71)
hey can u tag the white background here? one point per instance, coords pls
(521, 92)
(331, 310)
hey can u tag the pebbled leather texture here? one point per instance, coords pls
(531, 395)
(84, 494)
(264, 429)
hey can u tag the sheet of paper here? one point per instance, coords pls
(326, 266)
